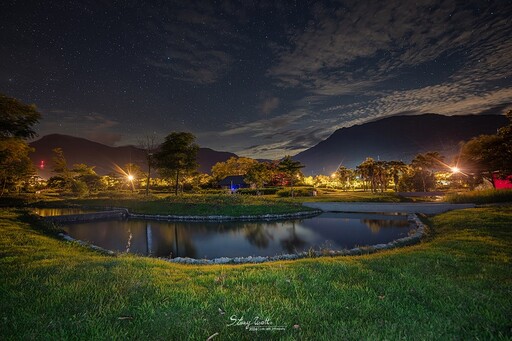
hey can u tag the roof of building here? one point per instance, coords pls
(233, 180)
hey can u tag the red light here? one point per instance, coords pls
(41, 165)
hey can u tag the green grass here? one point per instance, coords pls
(202, 204)
(481, 197)
(455, 285)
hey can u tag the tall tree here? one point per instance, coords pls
(16, 121)
(61, 169)
(345, 176)
(177, 155)
(424, 166)
(367, 172)
(149, 145)
(291, 168)
(15, 164)
(485, 155)
(395, 169)
(16, 118)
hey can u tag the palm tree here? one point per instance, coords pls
(367, 172)
(396, 168)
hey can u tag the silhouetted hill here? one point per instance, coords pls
(396, 138)
(80, 150)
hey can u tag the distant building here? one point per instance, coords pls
(233, 182)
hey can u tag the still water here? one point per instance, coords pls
(333, 231)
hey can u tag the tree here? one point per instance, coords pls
(16, 121)
(16, 118)
(485, 155)
(233, 166)
(61, 169)
(345, 176)
(177, 155)
(259, 174)
(86, 175)
(148, 144)
(290, 168)
(15, 164)
(424, 166)
(367, 172)
(395, 169)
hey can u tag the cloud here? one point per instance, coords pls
(360, 61)
(347, 49)
(269, 105)
(195, 38)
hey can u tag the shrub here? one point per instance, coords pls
(297, 192)
(260, 191)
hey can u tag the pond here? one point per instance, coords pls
(208, 240)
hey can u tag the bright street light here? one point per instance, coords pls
(455, 169)
(130, 177)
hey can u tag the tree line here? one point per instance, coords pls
(482, 157)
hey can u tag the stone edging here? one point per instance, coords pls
(218, 218)
(68, 238)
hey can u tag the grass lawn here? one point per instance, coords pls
(203, 204)
(455, 285)
(190, 204)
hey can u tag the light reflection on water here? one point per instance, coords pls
(240, 239)
(51, 212)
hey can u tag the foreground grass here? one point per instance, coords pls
(457, 285)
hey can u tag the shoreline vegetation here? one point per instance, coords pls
(56, 290)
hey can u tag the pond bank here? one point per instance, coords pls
(366, 207)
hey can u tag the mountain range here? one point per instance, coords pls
(392, 138)
(396, 138)
(103, 157)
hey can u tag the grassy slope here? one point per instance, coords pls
(457, 285)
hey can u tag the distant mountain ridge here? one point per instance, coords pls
(103, 157)
(392, 138)
(396, 138)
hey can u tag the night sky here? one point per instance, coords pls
(261, 79)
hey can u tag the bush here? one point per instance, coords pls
(212, 191)
(297, 192)
(258, 191)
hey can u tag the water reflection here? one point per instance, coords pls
(375, 225)
(50, 212)
(238, 239)
(292, 243)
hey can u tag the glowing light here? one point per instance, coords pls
(130, 177)
(455, 169)
(333, 175)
